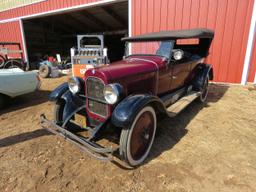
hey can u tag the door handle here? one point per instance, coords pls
(174, 77)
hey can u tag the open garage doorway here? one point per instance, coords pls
(56, 34)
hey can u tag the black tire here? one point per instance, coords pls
(136, 141)
(44, 71)
(204, 91)
(13, 64)
(58, 112)
(3, 100)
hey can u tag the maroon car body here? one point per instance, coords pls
(143, 74)
(128, 95)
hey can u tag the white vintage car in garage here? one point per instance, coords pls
(15, 82)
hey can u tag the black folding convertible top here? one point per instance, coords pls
(172, 35)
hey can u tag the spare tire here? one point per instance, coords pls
(44, 71)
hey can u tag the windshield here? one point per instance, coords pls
(161, 48)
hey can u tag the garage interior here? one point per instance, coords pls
(56, 34)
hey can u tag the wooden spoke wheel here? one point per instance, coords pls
(205, 90)
(136, 141)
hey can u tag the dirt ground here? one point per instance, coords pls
(208, 147)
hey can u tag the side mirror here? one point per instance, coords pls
(178, 54)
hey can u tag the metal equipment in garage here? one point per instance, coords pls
(90, 53)
(9, 56)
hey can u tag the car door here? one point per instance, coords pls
(179, 73)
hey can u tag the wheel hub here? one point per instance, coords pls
(145, 134)
(142, 135)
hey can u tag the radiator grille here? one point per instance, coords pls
(97, 107)
(94, 90)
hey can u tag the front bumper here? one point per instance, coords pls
(86, 145)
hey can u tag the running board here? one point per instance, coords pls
(182, 103)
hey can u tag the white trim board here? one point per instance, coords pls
(62, 10)
(249, 49)
(23, 40)
(130, 24)
(22, 5)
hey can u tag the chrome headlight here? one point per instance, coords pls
(112, 93)
(178, 54)
(74, 85)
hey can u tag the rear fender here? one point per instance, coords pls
(125, 112)
(203, 70)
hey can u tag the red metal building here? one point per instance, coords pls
(233, 52)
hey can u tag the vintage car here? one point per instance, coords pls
(164, 74)
(15, 82)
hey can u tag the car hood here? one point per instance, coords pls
(132, 66)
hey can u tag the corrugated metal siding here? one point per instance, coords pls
(230, 19)
(42, 7)
(252, 71)
(10, 32)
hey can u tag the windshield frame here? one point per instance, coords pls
(128, 49)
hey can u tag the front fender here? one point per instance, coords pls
(72, 104)
(58, 92)
(125, 112)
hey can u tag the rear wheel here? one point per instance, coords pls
(205, 90)
(136, 141)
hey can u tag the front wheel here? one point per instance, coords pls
(136, 141)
